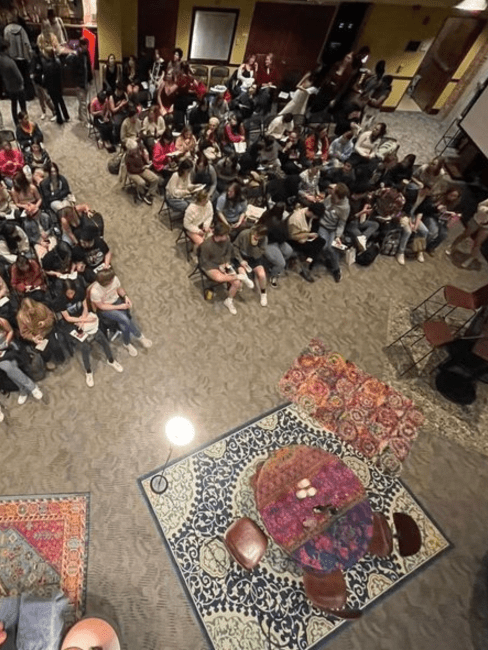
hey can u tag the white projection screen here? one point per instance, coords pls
(212, 35)
(474, 122)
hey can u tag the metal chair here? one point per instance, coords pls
(328, 592)
(200, 72)
(183, 236)
(219, 76)
(207, 284)
(437, 333)
(246, 542)
(173, 216)
(450, 298)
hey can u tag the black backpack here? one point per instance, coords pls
(391, 241)
(368, 256)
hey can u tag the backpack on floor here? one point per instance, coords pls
(113, 164)
(368, 256)
(391, 241)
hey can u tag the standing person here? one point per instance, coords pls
(57, 26)
(156, 74)
(53, 84)
(19, 48)
(37, 76)
(332, 224)
(12, 81)
(83, 77)
(174, 66)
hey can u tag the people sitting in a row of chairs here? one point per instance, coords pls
(58, 290)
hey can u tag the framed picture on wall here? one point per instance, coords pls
(212, 35)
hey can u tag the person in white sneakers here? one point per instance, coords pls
(215, 255)
(249, 248)
(8, 363)
(83, 326)
(109, 298)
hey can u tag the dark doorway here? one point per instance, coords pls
(344, 31)
(294, 33)
(158, 18)
(450, 47)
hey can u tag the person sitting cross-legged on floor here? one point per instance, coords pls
(198, 219)
(249, 248)
(137, 163)
(215, 256)
(113, 304)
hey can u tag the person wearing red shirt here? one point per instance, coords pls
(11, 162)
(26, 276)
(317, 144)
(162, 154)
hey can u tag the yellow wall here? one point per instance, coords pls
(117, 28)
(388, 30)
(246, 9)
(468, 59)
(109, 24)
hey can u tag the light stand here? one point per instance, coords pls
(179, 431)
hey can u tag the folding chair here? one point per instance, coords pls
(183, 236)
(218, 76)
(173, 216)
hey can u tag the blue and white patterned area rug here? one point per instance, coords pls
(210, 488)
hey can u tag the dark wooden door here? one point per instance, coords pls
(450, 47)
(158, 18)
(294, 33)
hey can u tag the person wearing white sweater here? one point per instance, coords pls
(198, 219)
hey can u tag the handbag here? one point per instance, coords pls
(419, 243)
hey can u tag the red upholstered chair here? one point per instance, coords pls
(407, 533)
(381, 543)
(246, 542)
(328, 592)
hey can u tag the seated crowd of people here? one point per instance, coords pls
(58, 290)
(326, 170)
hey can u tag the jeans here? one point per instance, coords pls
(331, 255)
(81, 94)
(12, 370)
(14, 99)
(437, 233)
(179, 205)
(277, 255)
(85, 346)
(123, 321)
(407, 232)
(367, 228)
(59, 106)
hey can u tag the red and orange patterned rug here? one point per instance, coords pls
(44, 547)
(373, 417)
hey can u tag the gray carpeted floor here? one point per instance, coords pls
(221, 370)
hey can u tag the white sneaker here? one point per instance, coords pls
(131, 349)
(53, 118)
(420, 257)
(2, 415)
(448, 251)
(467, 263)
(37, 393)
(229, 303)
(22, 399)
(248, 282)
(400, 258)
(264, 300)
(115, 365)
(361, 243)
(90, 382)
(145, 342)
(43, 116)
